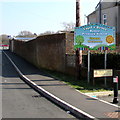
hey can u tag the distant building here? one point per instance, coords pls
(107, 13)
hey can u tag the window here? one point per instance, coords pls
(105, 19)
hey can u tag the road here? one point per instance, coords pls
(20, 101)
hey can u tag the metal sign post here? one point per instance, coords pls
(105, 66)
(88, 66)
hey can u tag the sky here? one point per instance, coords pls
(39, 16)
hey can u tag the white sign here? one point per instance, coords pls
(115, 80)
(103, 73)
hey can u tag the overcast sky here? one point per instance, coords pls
(39, 16)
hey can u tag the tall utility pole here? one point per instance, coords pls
(77, 13)
(78, 52)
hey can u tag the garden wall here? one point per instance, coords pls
(45, 51)
(55, 52)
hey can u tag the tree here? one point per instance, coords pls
(26, 34)
(79, 39)
(47, 33)
(68, 26)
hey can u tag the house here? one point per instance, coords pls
(107, 13)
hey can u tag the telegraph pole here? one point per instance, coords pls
(78, 52)
(77, 13)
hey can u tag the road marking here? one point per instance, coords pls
(52, 97)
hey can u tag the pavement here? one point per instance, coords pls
(107, 96)
(64, 95)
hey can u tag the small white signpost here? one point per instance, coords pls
(103, 73)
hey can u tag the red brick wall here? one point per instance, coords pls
(50, 51)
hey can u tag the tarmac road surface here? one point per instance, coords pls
(21, 101)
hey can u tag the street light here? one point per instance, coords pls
(85, 19)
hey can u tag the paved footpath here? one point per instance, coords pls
(91, 106)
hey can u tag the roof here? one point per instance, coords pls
(24, 39)
(91, 13)
(106, 4)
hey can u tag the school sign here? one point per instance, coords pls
(95, 37)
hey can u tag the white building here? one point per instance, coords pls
(107, 12)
